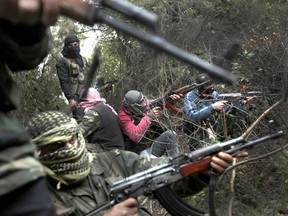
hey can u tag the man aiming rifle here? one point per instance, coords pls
(198, 112)
(79, 182)
(166, 100)
(143, 129)
(155, 181)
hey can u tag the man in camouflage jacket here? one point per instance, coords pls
(79, 181)
(100, 124)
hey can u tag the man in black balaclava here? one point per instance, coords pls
(72, 72)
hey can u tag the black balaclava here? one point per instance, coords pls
(72, 52)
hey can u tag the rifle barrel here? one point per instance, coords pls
(176, 168)
(250, 144)
(134, 12)
(212, 149)
(84, 13)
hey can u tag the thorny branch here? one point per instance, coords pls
(245, 135)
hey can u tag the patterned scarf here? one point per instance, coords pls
(66, 164)
(93, 97)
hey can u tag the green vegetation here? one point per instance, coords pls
(204, 28)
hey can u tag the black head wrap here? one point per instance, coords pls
(72, 52)
(70, 39)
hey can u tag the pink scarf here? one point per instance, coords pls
(93, 97)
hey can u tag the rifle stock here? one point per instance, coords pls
(148, 181)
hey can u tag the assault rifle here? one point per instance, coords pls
(149, 182)
(183, 90)
(240, 96)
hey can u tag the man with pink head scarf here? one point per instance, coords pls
(100, 125)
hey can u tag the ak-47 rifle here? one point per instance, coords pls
(240, 96)
(160, 102)
(153, 180)
(245, 95)
(230, 97)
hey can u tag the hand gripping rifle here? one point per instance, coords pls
(156, 180)
(89, 15)
(183, 90)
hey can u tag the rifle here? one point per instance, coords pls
(240, 96)
(183, 90)
(154, 179)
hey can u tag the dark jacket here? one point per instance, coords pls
(71, 77)
(100, 126)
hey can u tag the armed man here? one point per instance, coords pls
(72, 71)
(204, 110)
(198, 112)
(25, 40)
(144, 132)
(80, 181)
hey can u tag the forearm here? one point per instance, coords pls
(192, 112)
(195, 115)
(135, 132)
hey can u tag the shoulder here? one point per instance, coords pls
(90, 115)
(123, 112)
(108, 157)
(63, 61)
(191, 95)
(91, 112)
(61, 200)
